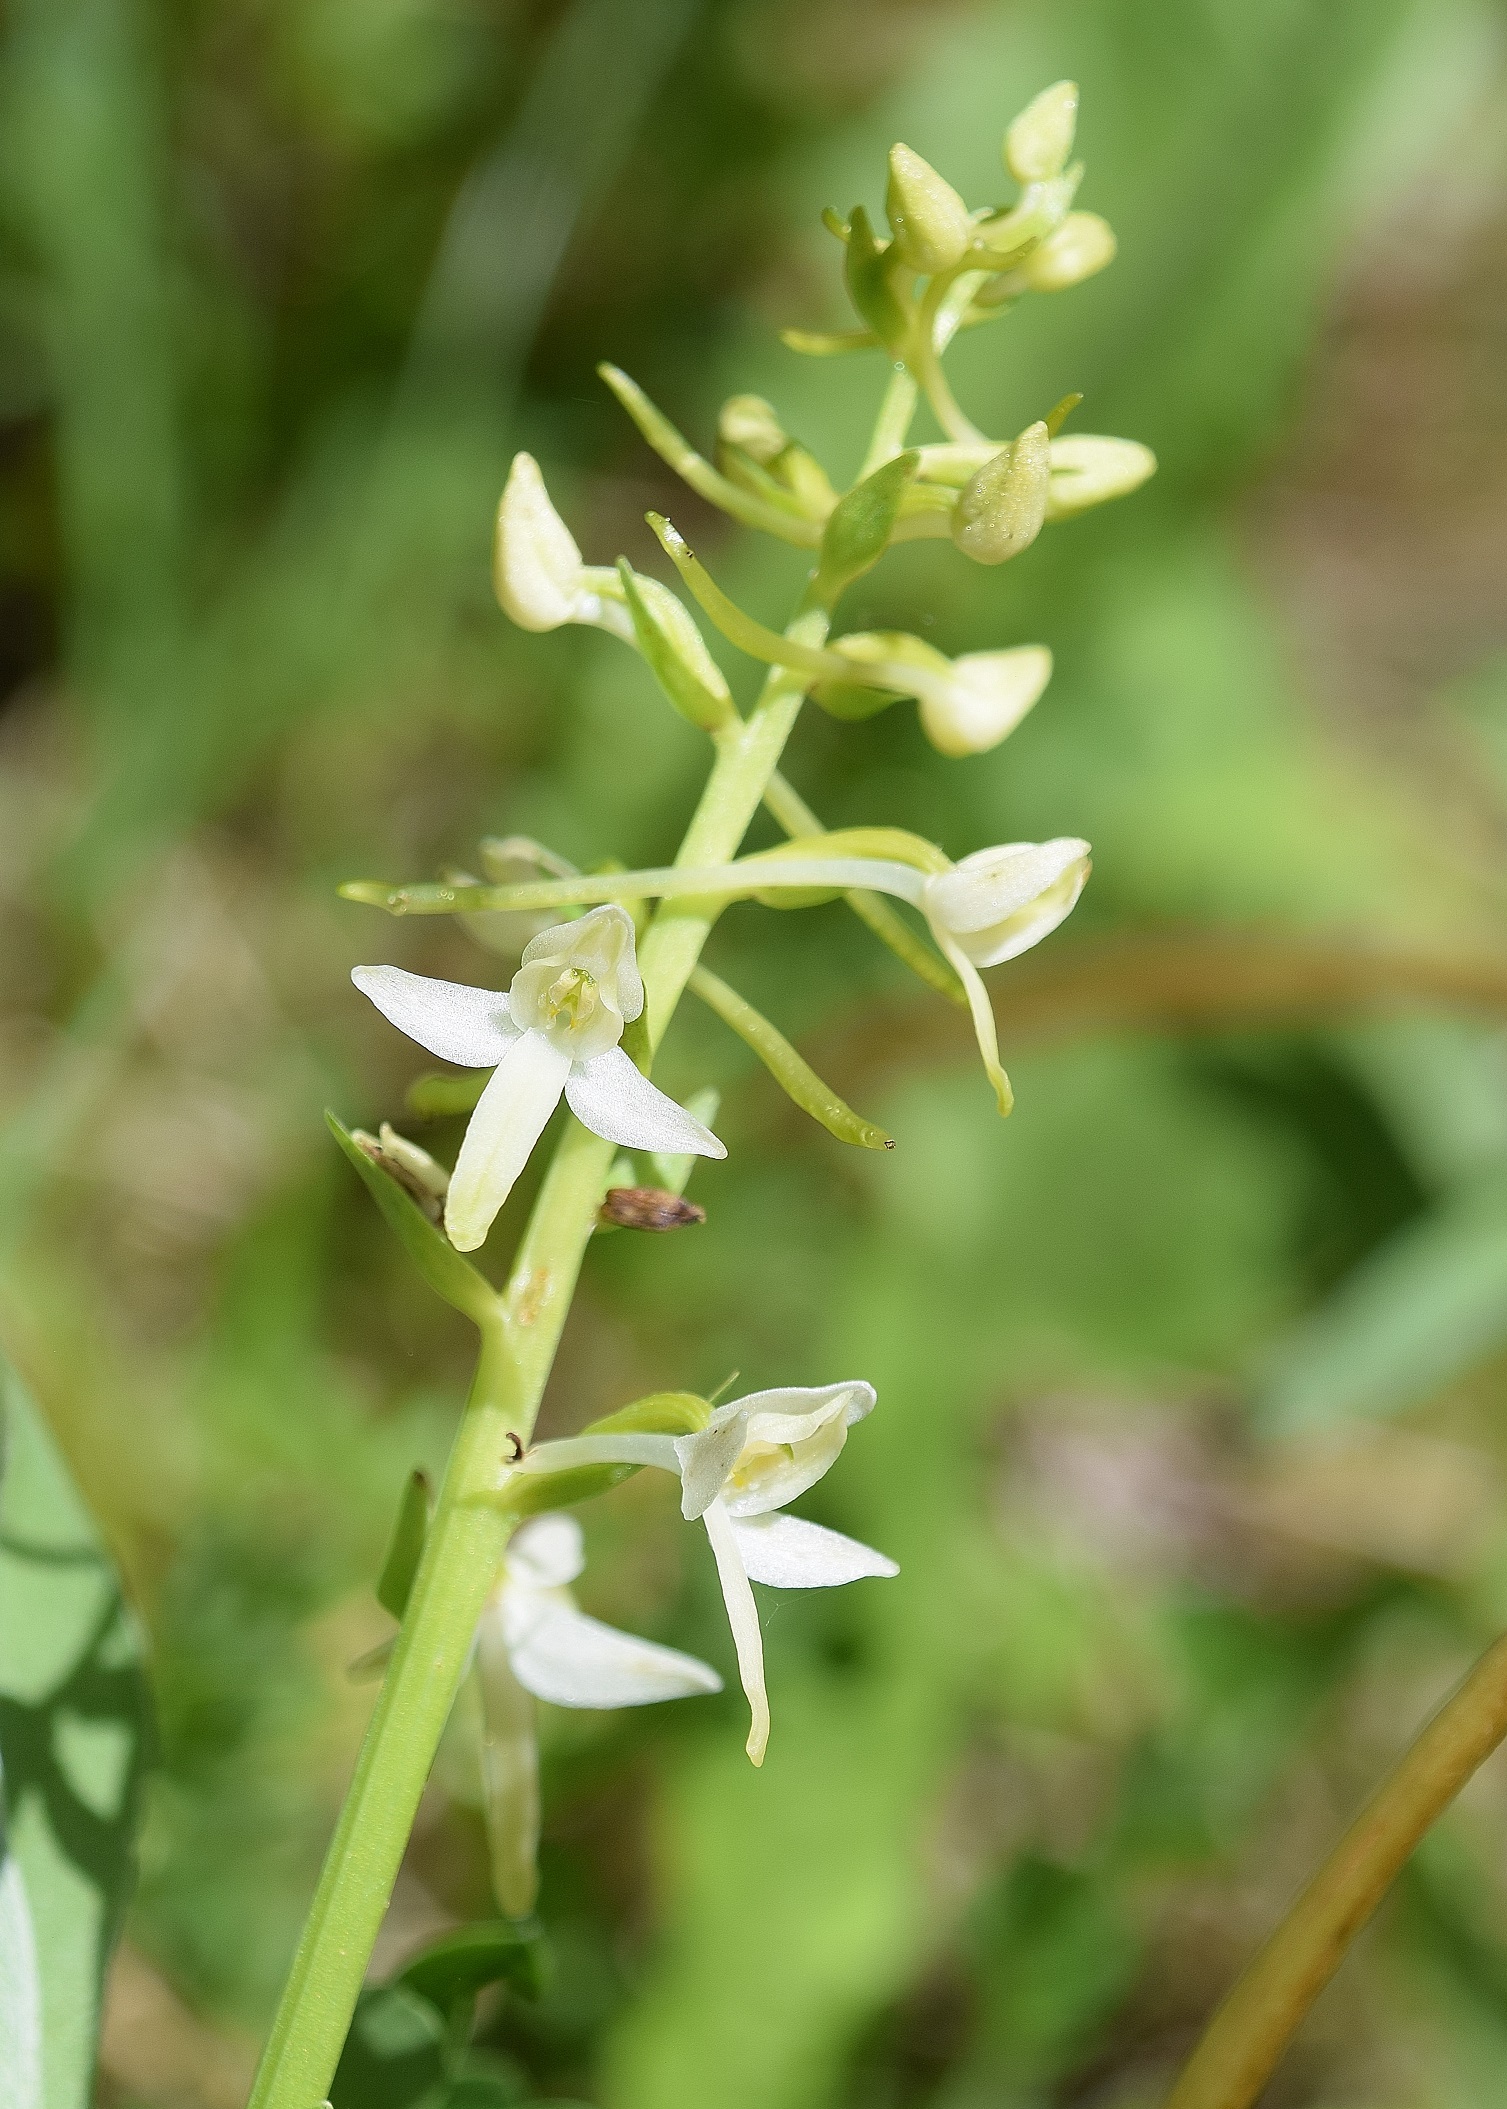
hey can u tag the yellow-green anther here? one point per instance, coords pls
(571, 996)
(1081, 246)
(931, 223)
(1041, 138)
(747, 421)
(1000, 510)
(795, 1076)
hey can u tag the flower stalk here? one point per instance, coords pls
(472, 1523)
(593, 996)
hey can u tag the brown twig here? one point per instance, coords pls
(1242, 2044)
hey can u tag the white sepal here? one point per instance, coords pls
(999, 902)
(784, 1552)
(509, 1767)
(510, 1116)
(572, 1660)
(547, 1552)
(472, 1027)
(611, 1095)
(707, 1458)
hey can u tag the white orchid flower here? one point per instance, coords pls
(753, 1457)
(532, 1643)
(999, 902)
(992, 906)
(556, 1031)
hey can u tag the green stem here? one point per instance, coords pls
(926, 364)
(893, 422)
(1251, 2030)
(471, 1525)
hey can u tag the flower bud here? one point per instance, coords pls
(1082, 245)
(536, 566)
(931, 223)
(1000, 510)
(1041, 138)
(420, 1177)
(747, 421)
(999, 902)
(983, 698)
(1088, 469)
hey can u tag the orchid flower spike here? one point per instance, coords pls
(532, 1643)
(753, 1456)
(555, 1032)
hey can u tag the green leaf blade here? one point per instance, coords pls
(73, 1747)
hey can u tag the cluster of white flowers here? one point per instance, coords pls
(557, 1031)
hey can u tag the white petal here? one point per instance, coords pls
(509, 1768)
(572, 1660)
(509, 1119)
(546, 1553)
(791, 1414)
(743, 1617)
(707, 1458)
(981, 1011)
(454, 1021)
(612, 1096)
(783, 1552)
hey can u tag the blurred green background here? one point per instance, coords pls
(1190, 1441)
